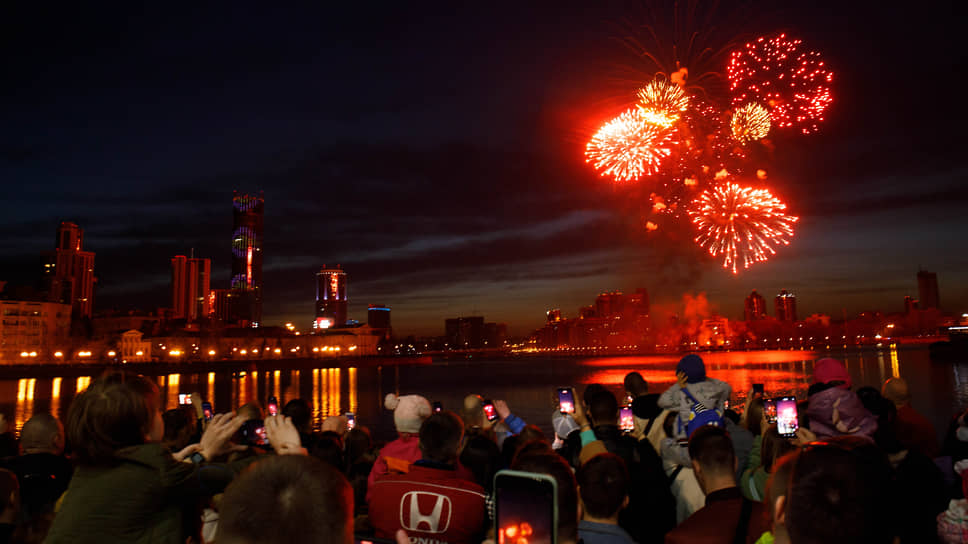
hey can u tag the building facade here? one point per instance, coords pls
(69, 273)
(928, 290)
(786, 306)
(378, 316)
(33, 331)
(330, 298)
(190, 288)
(247, 255)
(754, 307)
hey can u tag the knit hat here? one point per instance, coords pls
(409, 411)
(827, 370)
(692, 366)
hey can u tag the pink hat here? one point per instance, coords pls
(827, 370)
(409, 411)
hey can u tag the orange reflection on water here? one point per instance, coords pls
(25, 401)
(171, 400)
(84, 381)
(275, 387)
(352, 389)
(895, 367)
(211, 388)
(334, 388)
(55, 388)
(317, 419)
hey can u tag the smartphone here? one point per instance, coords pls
(769, 410)
(625, 419)
(757, 390)
(489, 411)
(787, 421)
(207, 410)
(726, 404)
(184, 398)
(438, 407)
(566, 400)
(273, 407)
(254, 432)
(526, 508)
(350, 420)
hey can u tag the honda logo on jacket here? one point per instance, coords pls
(425, 512)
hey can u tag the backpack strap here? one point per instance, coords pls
(675, 474)
(743, 527)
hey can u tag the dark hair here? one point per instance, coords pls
(712, 448)
(329, 449)
(669, 424)
(440, 436)
(844, 484)
(603, 408)
(754, 415)
(117, 410)
(359, 446)
(553, 465)
(287, 498)
(483, 458)
(590, 391)
(636, 384)
(530, 448)
(603, 482)
(773, 448)
(180, 424)
(299, 412)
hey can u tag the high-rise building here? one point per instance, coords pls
(190, 288)
(554, 315)
(754, 307)
(639, 301)
(928, 290)
(330, 298)
(464, 332)
(247, 239)
(378, 316)
(786, 306)
(910, 305)
(610, 304)
(69, 273)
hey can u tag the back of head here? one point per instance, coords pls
(774, 447)
(329, 448)
(249, 410)
(754, 415)
(590, 391)
(603, 407)
(359, 445)
(831, 371)
(603, 482)
(896, 390)
(287, 498)
(531, 432)
(409, 411)
(180, 426)
(556, 467)
(117, 410)
(482, 457)
(472, 411)
(692, 366)
(299, 412)
(711, 447)
(636, 384)
(440, 437)
(42, 433)
(838, 495)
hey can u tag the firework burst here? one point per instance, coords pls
(741, 224)
(661, 102)
(791, 80)
(750, 122)
(629, 147)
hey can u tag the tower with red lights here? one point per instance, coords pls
(246, 284)
(330, 298)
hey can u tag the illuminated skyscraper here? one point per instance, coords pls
(754, 307)
(928, 290)
(330, 298)
(70, 272)
(190, 288)
(246, 281)
(786, 306)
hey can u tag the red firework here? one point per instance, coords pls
(790, 79)
(741, 223)
(629, 147)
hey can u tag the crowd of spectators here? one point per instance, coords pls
(862, 466)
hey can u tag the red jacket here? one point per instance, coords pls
(433, 505)
(395, 457)
(716, 522)
(914, 431)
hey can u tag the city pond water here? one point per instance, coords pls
(528, 383)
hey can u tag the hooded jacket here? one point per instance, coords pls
(854, 419)
(711, 392)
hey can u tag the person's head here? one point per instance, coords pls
(300, 413)
(530, 433)
(590, 391)
(440, 437)
(774, 447)
(713, 458)
(831, 372)
(117, 410)
(553, 465)
(754, 415)
(839, 492)
(180, 426)
(472, 412)
(359, 445)
(603, 408)
(896, 390)
(692, 366)
(483, 458)
(42, 433)
(287, 498)
(776, 488)
(603, 486)
(409, 411)
(249, 411)
(329, 448)
(636, 385)
(530, 448)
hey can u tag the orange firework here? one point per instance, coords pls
(741, 223)
(661, 102)
(750, 122)
(629, 147)
(792, 81)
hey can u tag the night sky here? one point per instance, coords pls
(436, 152)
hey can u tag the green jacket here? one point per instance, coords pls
(753, 481)
(142, 499)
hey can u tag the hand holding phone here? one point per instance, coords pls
(526, 507)
(350, 420)
(787, 419)
(626, 419)
(566, 400)
(438, 407)
(273, 406)
(254, 433)
(769, 410)
(490, 412)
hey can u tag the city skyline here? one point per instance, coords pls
(443, 169)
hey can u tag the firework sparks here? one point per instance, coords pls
(750, 122)
(740, 223)
(629, 147)
(661, 102)
(791, 80)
